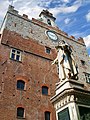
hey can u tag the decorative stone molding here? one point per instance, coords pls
(64, 101)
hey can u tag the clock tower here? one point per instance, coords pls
(47, 18)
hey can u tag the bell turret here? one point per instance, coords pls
(47, 18)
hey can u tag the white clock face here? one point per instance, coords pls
(52, 35)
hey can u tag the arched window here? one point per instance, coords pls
(44, 90)
(20, 84)
(47, 115)
(48, 21)
(20, 112)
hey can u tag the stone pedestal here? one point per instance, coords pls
(70, 94)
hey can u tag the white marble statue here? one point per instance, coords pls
(66, 62)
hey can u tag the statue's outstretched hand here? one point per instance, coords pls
(55, 61)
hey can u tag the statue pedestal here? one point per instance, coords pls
(70, 94)
(68, 84)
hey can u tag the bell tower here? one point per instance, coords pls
(47, 18)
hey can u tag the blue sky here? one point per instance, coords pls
(72, 16)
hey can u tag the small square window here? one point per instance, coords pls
(20, 84)
(48, 21)
(48, 50)
(15, 55)
(83, 62)
(87, 76)
(44, 90)
(20, 112)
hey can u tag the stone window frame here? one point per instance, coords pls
(14, 53)
(87, 76)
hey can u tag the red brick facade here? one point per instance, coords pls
(35, 70)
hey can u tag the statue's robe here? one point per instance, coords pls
(66, 63)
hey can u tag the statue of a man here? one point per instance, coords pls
(66, 62)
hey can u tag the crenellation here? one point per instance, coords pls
(12, 10)
(24, 26)
(25, 16)
(15, 12)
(64, 33)
(81, 40)
(72, 37)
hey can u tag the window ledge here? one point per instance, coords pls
(21, 90)
(45, 95)
(16, 60)
(20, 118)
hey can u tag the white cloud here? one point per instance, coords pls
(3, 7)
(66, 9)
(67, 20)
(87, 41)
(31, 12)
(45, 3)
(37, 6)
(66, 1)
(88, 17)
(34, 7)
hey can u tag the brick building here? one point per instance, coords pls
(27, 78)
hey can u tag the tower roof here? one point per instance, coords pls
(47, 13)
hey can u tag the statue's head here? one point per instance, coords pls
(62, 45)
(61, 42)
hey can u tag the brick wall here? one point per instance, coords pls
(35, 69)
